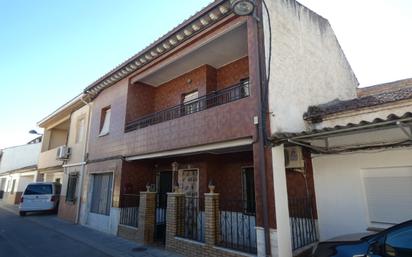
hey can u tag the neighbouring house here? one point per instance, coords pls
(306, 66)
(74, 164)
(174, 151)
(63, 153)
(18, 168)
(361, 156)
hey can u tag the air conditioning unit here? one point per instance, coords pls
(63, 152)
(294, 158)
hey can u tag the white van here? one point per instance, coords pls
(41, 196)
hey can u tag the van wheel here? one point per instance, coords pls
(22, 213)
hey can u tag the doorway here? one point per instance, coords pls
(164, 185)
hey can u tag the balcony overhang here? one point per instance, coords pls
(237, 145)
(224, 47)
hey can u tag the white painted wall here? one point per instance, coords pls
(340, 197)
(18, 157)
(308, 67)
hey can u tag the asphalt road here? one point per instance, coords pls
(22, 237)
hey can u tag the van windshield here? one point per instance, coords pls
(38, 190)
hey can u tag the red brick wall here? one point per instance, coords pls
(232, 73)
(170, 93)
(136, 175)
(143, 99)
(139, 101)
(223, 169)
(296, 185)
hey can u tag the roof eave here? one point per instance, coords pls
(200, 21)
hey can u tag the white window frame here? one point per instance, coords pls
(105, 128)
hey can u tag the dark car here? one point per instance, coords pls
(392, 242)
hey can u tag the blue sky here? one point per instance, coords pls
(51, 50)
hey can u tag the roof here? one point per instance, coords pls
(390, 120)
(200, 21)
(317, 113)
(70, 106)
(381, 88)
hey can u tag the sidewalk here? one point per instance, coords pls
(109, 244)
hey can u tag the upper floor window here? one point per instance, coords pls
(80, 127)
(190, 106)
(105, 121)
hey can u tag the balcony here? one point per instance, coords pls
(221, 97)
(48, 159)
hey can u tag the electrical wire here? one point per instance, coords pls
(265, 86)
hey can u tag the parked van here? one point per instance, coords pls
(41, 196)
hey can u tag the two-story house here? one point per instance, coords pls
(184, 116)
(178, 116)
(63, 154)
(18, 168)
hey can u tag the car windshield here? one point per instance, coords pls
(38, 190)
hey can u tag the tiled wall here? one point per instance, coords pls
(230, 121)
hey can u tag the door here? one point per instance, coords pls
(2, 187)
(165, 186)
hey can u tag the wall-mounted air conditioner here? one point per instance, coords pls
(63, 152)
(294, 158)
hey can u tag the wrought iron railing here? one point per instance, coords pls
(302, 221)
(160, 218)
(217, 98)
(194, 226)
(129, 210)
(237, 226)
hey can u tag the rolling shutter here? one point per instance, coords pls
(388, 193)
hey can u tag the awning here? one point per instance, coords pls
(403, 122)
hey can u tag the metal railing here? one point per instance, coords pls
(194, 225)
(303, 225)
(129, 210)
(217, 98)
(160, 218)
(237, 226)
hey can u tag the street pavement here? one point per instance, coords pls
(45, 235)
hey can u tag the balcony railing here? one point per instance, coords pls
(217, 98)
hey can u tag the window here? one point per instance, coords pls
(105, 121)
(248, 188)
(399, 242)
(38, 190)
(388, 194)
(3, 184)
(101, 194)
(13, 185)
(80, 125)
(71, 187)
(189, 103)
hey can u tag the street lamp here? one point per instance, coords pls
(243, 7)
(35, 132)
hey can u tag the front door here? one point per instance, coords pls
(164, 186)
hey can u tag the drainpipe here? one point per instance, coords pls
(262, 124)
(84, 161)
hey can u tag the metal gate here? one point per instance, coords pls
(160, 218)
(303, 225)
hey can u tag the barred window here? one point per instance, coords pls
(71, 187)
